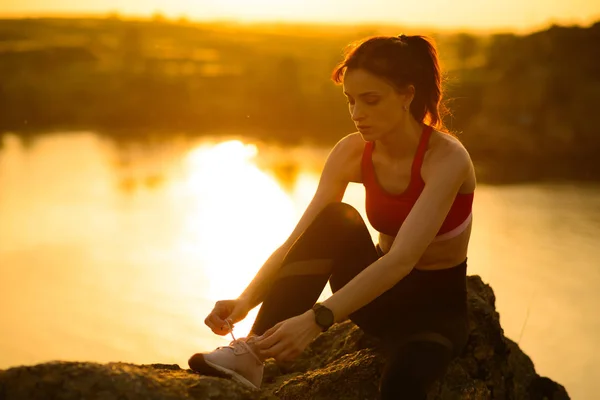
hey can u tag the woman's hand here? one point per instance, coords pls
(231, 310)
(286, 340)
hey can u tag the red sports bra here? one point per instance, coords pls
(386, 212)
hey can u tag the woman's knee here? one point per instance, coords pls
(328, 235)
(339, 214)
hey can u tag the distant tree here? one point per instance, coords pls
(183, 20)
(466, 46)
(131, 47)
(158, 17)
(113, 15)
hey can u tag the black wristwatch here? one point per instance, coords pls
(323, 316)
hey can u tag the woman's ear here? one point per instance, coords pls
(410, 93)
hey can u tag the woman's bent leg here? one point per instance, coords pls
(337, 241)
(337, 235)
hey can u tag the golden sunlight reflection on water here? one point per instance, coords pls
(237, 217)
(118, 252)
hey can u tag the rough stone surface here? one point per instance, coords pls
(342, 363)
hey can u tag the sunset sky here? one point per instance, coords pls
(470, 14)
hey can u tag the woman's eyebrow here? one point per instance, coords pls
(364, 93)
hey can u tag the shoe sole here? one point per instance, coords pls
(212, 369)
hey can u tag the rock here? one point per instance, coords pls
(342, 363)
(115, 381)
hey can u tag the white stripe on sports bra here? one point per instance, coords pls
(454, 232)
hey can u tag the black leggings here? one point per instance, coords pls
(422, 319)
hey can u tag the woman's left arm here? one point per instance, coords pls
(287, 339)
(417, 232)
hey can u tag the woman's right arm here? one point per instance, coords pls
(342, 166)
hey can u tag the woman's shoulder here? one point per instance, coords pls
(445, 152)
(346, 155)
(352, 142)
(444, 147)
(442, 143)
(350, 146)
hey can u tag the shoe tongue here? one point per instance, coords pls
(251, 348)
(239, 343)
(236, 342)
(251, 343)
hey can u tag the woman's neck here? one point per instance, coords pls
(401, 142)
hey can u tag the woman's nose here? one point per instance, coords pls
(357, 114)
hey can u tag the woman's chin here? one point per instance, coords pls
(367, 134)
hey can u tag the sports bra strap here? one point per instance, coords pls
(367, 164)
(420, 155)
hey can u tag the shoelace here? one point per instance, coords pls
(230, 329)
(257, 358)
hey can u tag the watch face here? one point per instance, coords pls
(324, 317)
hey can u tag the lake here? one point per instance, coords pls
(117, 251)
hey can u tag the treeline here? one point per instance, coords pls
(523, 105)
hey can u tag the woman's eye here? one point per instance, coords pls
(370, 102)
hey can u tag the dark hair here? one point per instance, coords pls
(402, 61)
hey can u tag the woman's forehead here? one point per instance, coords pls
(360, 81)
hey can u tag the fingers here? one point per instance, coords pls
(282, 351)
(274, 343)
(237, 315)
(271, 330)
(273, 351)
(216, 324)
(223, 313)
(269, 338)
(223, 308)
(213, 321)
(216, 319)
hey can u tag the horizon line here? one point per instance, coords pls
(183, 18)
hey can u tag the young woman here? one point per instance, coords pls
(410, 288)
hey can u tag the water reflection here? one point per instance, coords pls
(76, 243)
(237, 215)
(117, 253)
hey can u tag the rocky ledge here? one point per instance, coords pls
(342, 363)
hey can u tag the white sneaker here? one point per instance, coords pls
(238, 361)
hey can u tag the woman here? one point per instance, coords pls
(410, 288)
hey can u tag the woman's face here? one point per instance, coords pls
(376, 107)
